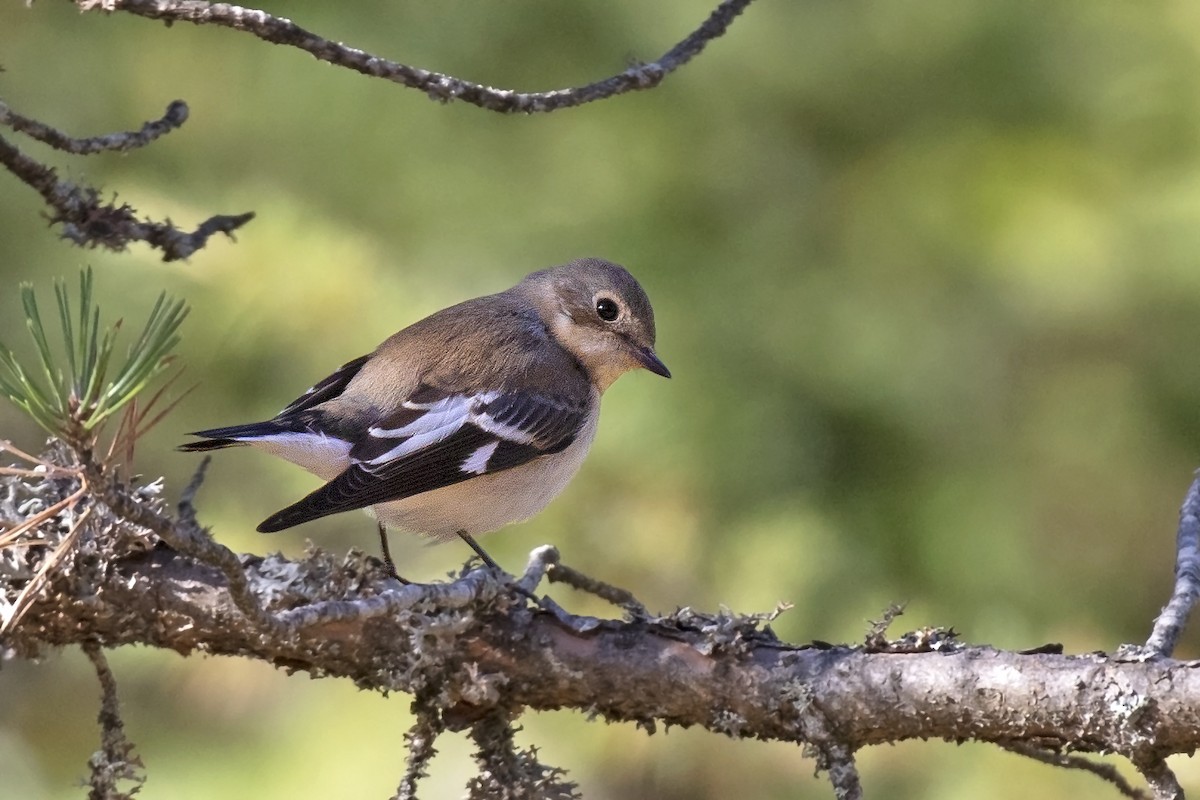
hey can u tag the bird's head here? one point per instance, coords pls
(600, 313)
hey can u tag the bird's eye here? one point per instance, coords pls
(606, 309)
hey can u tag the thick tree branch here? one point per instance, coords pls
(436, 85)
(184, 535)
(474, 653)
(661, 670)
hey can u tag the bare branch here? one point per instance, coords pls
(87, 220)
(622, 598)
(176, 115)
(1170, 623)
(436, 85)
(1105, 772)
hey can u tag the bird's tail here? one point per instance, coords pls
(208, 444)
(233, 436)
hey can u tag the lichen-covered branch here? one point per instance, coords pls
(476, 652)
(436, 85)
(506, 771)
(86, 218)
(499, 652)
(420, 740)
(115, 761)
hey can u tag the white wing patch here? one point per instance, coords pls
(508, 432)
(477, 462)
(442, 418)
(543, 423)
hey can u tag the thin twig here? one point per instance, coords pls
(176, 115)
(420, 739)
(436, 85)
(560, 573)
(1106, 772)
(499, 764)
(187, 500)
(1163, 783)
(21, 472)
(8, 447)
(832, 753)
(1169, 625)
(541, 560)
(876, 638)
(508, 771)
(115, 760)
(843, 773)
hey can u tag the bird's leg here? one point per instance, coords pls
(491, 563)
(387, 555)
(479, 551)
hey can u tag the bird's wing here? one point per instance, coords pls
(437, 439)
(327, 389)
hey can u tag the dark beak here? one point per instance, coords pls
(647, 358)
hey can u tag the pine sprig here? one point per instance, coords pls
(73, 404)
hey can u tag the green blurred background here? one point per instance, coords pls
(926, 275)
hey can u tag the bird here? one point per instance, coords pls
(468, 420)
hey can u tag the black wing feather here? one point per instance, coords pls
(327, 389)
